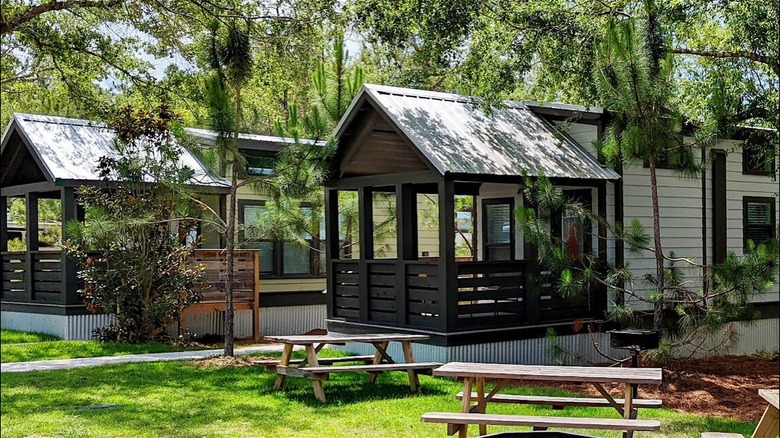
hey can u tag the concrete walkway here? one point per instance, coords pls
(64, 364)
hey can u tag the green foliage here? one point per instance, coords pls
(18, 337)
(135, 262)
(691, 312)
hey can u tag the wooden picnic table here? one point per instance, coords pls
(312, 366)
(474, 376)
(769, 425)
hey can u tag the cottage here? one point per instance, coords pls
(406, 143)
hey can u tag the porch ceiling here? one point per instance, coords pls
(457, 136)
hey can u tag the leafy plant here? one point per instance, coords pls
(132, 247)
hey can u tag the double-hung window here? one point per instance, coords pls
(758, 219)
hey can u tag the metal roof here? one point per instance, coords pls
(69, 149)
(456, 135)
(254, 141)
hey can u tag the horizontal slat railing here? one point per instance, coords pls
(15, 276)
(346, 293)
(215, 274)
(491, 294)
(423, 303)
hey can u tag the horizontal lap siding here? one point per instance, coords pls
(680, 207)
(739, 185)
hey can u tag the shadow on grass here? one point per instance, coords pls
(351, 388)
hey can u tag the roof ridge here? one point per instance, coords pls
(60, 120)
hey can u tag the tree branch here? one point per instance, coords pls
(763, 59)
(9, 26)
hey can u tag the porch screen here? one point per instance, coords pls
(498, 236)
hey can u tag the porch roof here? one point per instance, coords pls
(68, 149)
(454, 135)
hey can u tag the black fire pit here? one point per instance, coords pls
(633, 339)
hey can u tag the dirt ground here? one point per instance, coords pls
(721, 386)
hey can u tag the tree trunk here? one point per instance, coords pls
(658, 316)
(230, 231)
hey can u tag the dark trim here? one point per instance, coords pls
(365, 245)
(602, 226)
(719, 227)
(767, 310)
(3, 223)
(203, 189)
(569, 115)
(512, 229)
(47, 309)
(285, 299)
(389, 179)
(70, 266)
(448, 274)
(773, 216)
(23, 189)
(704, 237)
(746, 147)
(331, 242)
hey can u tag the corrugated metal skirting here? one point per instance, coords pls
(81, 326)
(760, 335)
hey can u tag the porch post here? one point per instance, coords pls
(31, 226)
(331, 243)
(223, 216)
(3, 223)
(602, 212)
(448, 275)
(531, 278)
(365, 245)
(70, 211)
(406, 242)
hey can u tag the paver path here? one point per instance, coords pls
(62, 364)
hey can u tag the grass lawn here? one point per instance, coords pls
(176, 399)
(23, 347)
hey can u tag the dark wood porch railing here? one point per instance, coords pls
(35, 276)
(491, 294)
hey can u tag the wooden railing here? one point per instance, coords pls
(35, 276)
(491, 294)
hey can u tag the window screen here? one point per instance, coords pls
(758, 219)
(498, 229)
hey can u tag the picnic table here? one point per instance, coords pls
(474, 376)
(318, 369)
(770, 422)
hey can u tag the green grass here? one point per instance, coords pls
(175, 399)
(24, 347)
(17, 337)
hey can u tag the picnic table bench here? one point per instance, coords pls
(474, 376)
(319, 369)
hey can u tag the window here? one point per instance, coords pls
(498, 230)
(259, 163)
(757, 157)
(279, 259)
(572, 228)
(758, 220)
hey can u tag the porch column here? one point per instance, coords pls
(365, 245)
(3, 223)
(331, 243)
(448, 275)
(602, 212)
(531, 278)
(406, 242)
(70, 212)
(31, 228)
(222, 215)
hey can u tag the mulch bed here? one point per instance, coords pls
(719, 386)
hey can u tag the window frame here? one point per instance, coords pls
(485, 246)
(748, 156)
(259, 154)
(277, 272)
(772, 215)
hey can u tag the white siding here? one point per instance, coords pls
(739, 185)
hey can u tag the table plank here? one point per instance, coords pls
(771, 396)
(334, 338)
(651, 376)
